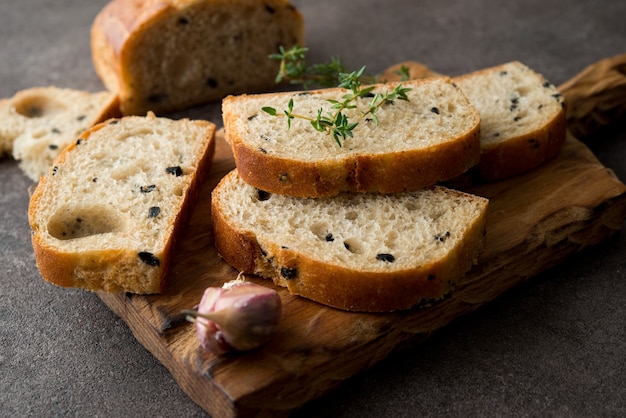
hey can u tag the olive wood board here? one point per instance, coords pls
(535, 221)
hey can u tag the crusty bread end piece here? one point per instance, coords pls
(37, 123)
(354, 251)
(522, 118)
(107, 215)
(168, 55)
(432, 137)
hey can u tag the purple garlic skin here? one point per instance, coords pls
(239, 316)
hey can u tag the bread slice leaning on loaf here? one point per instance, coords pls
(522, 118)
(107, 215)
(355, 251)
(37, 123)
(432, 137)
(168, 55)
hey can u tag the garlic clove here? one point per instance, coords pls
(249, 314)
(239, 316)
(208, 333)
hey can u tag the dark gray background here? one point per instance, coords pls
(553, 347)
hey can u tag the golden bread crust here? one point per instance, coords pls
(524, 152)
(385, 173)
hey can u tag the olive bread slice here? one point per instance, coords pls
(431, 137)
(522, 118)
(37, 123)
(354, 251)
(107, 215)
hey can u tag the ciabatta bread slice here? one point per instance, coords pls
(37, 123)
(430, 138)
(522, 118)
(107, 215)
(354, 251)
(168, 55)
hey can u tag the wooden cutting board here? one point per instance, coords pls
(535, 221)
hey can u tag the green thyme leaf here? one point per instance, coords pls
(269, 110)
(403, 72)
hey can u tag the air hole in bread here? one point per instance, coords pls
(124, 172)
(137, 132)
(353, 245)
(178, 190)
(390, 239)
(39, 133)
(410, 206)
(72, 223)
(351, 215)
(37, 106)
(261, 196)
(320, 230)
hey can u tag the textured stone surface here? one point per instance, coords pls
(555, 346)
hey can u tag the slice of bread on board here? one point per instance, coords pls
(354, 251)
(432, 137)
(522, 118)
(107, 215)
(37, 123)
(168, 55)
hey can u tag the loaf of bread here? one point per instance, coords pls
(432, 137)
(522, 118)
(354, 251)
(167, 55)
(37, 123)
(107, 215)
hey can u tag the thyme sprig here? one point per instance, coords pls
(293, 67)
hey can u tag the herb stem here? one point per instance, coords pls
(293, 68)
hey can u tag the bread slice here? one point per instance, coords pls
(354, 251)
(522, 118)
(107, 215)
(6, 138)
(167, 55)
(37, 123)
(430, 138)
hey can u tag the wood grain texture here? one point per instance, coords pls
(535, 221)
(596, 97)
